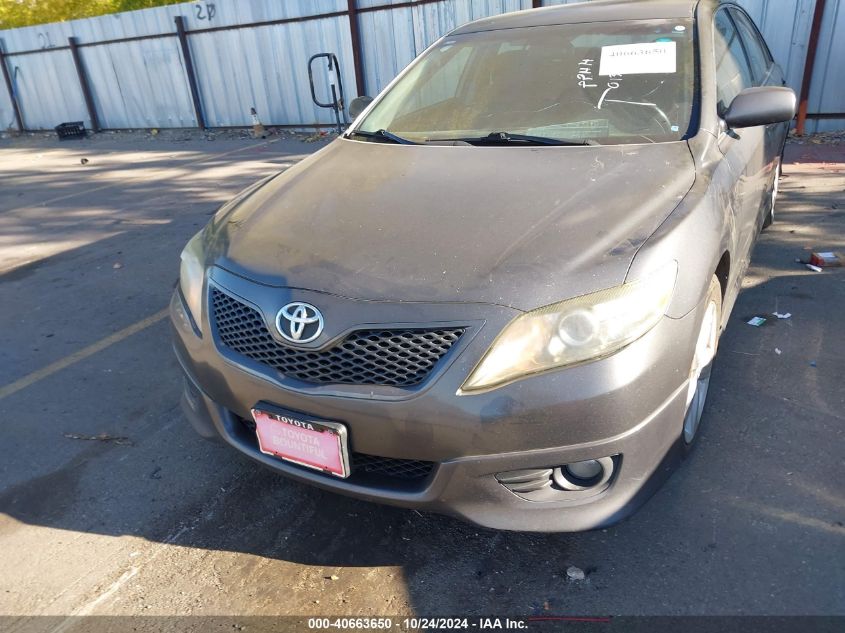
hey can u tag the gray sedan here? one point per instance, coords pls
(499, 294)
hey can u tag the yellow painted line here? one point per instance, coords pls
(82, 354)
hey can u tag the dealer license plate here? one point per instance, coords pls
(317, 444)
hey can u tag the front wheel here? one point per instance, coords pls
(706, 344)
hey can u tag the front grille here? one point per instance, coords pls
(397, 358)
(407, 470)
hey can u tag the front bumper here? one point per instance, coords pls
(630, 406)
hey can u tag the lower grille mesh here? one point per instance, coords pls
(398, 358)
(390, 467)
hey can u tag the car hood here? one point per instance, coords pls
(515, 226)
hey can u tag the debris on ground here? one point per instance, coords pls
(70, 130)
(117, 265)
(333, 577)
(825, 260)
(102, 437)
(575, 573)
(812, 363)
(258, 130)
(777, 351)
(178, 135)
(788, 315)
(317, 136)
(815, 269)
(83, 161)
(827, 138)
(757, 321)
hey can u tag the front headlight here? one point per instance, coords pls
(576, 330)
(191, 276)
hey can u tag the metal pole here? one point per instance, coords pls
(357, 51)
(189, 69)
(809, 66)
(83, 82)
(336, 109)
(10, 87)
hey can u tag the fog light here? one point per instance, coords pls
(587, 470)
(589, 474)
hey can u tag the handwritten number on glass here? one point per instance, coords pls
(585, 73)
(611, 85)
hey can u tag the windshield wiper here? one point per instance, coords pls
(500, 138)
(494, 138)
(383, 134)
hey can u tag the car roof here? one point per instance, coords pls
(595, 11)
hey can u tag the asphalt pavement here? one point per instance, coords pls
(110, 504)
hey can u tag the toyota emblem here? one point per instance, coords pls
(299, 322)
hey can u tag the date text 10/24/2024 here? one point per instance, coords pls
(418, 623)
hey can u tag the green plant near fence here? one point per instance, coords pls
(16, 13)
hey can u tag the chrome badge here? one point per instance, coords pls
(299, 322)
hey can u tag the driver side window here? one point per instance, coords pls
(733, 73)
(758, 53)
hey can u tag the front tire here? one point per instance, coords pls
(706, 345)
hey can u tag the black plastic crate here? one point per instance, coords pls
(72, 129)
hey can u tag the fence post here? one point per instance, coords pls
(357, 52)
(83, 82)
(189, 69)
(809, 66)
(10, 87)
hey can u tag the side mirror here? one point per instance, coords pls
(761, 106)
(358, 105)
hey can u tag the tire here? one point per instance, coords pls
(704, 353)
(773, 196)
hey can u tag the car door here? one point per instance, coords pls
(743, 149)
(765, 73)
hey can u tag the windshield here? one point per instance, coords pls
(605, 82)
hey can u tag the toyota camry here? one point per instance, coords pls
(499, 293)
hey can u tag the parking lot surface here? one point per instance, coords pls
(110, 503)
